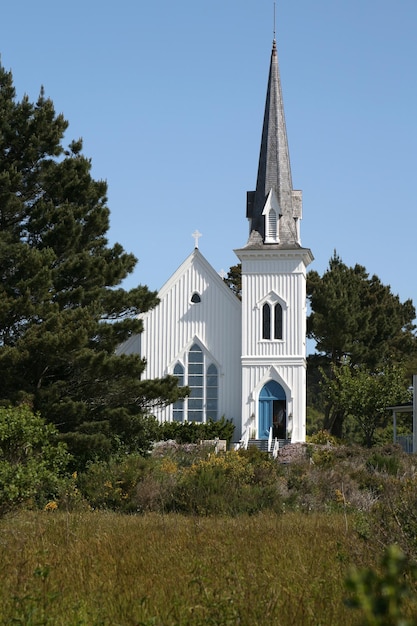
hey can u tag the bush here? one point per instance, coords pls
(229, 484)
(32, 460)
(384, 463)
(383, 597)
(112, 484)
(323, 437)
(186, 432)
(192, 432)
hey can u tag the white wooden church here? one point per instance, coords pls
(242, 359)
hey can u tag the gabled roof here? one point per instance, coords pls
(195, 261)
(274, 170)
(197, 258)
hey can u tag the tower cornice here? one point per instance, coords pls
(275, 252)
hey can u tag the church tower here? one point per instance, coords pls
(273, 357)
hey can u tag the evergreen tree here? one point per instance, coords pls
(234, 280)
(355, 318)
(62, 310)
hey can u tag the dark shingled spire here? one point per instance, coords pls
(274, 170)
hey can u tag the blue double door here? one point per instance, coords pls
(272, 411)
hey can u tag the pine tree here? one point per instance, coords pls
(62, 310)
(234, 280)
(355, 315)
(355, 318)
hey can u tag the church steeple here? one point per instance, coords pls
(274, 208)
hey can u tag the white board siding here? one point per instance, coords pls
(291, 289)
(268, 274)
(172, 326)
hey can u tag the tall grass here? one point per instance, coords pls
(261, 542)
(101, 568)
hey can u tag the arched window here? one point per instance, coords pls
(196, 383)
(266, 321)
(201, 375)
(195, 298)
(272, 321)
(278, 321)
(212, 390)
(178, 408)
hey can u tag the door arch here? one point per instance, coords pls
(272, 411)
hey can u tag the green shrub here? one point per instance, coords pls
(228, 484)
(192, 432)
(112, 484)
(222, 428)
(254, 455)
(323, 437)
(382, 597)
(323, 457)
(385, 461)
(185, 432)
(32, 460)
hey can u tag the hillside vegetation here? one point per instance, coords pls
(234, 538)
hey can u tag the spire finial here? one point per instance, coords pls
(274, 20)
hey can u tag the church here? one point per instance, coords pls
(242, 359)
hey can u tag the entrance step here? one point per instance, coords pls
(262, 444)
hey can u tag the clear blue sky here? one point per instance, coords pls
(169, 96)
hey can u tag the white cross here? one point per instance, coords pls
(196, 236)
(222, 274)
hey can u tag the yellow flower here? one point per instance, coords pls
(168, 466)
(51, 506)
(340, 497)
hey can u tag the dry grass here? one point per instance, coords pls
(97, 568)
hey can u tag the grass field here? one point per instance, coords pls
(101, 568)
(234, 539)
